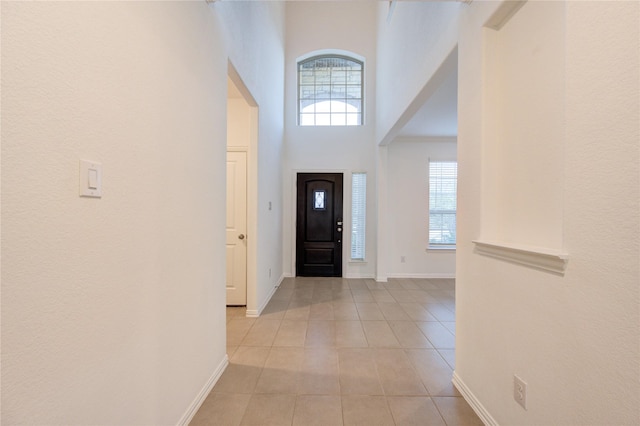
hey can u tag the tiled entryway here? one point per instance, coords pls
(334, 351)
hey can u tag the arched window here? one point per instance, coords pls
(330, 91)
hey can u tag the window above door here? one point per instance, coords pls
(330, 91)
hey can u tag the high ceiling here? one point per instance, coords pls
(438, 116)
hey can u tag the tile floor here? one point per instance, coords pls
(335, 351)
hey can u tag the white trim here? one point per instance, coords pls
(321, 52)
(545, 259)
(423, 139)
(422, 275)
(381, 279)
(195, 405)
(255, 313)
(238, 149)
(358, 276)
(252, 181)
(503, 14)
(475, 404)
(436, 249)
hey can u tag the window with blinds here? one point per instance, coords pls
(358, 216)
(330, 91)
(443, 182)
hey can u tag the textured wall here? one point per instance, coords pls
(340, 148)
(254, 34)
(408, 207)
(524, 128)
(238, 123)
(572, 338)
(112, 308)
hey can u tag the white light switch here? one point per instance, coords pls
(93, 179)
(90, 179)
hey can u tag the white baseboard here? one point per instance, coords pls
(255, 313)
(359, 276)
(195, 405)
(473, 401)
(427, 275)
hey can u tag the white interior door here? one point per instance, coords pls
(236, 228)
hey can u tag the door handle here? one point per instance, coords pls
(241, 237)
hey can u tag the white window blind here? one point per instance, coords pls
(443, 182)
(358, 214)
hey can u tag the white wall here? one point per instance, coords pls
(110, 307)
(574, 337)
(113, 308)
(411, 45)
(238, 123)
(416, 47)
(344, 149)
(525, 61)
(408, 208)
(255, 35)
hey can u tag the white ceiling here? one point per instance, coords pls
(439, 114)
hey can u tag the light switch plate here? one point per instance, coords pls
(90, 179)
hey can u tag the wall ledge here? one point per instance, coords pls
(475, 404)
(545, 259)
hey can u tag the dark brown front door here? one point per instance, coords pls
(319, 225)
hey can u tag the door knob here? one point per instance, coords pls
(241, 236)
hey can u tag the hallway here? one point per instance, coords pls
(333, 351)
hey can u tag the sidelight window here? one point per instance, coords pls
(358, 216)
(443, 178)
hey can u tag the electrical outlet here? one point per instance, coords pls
(520, 391)
(402, 259)
(269, 272)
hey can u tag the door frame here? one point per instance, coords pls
(252, 188)
(346, 213)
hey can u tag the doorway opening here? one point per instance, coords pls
(242, 139)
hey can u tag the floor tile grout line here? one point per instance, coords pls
(334, 298)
